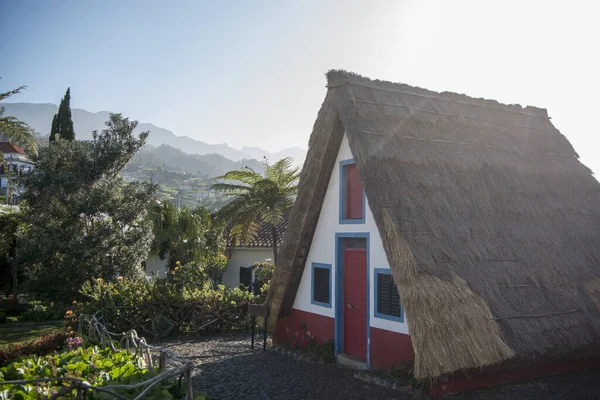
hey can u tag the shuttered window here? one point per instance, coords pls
(321, 284)
(352, 195)
(387, 298)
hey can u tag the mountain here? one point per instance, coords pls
(184, 179)
(297, 153)
(207, 165)
(39, 117)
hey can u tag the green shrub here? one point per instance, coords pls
(263, 272)
(3, 317)
(180, 304)
(328, 351)
(98, 367)
(40, 312)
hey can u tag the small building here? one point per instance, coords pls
(17, 162)
(458, 233)
(156, 267)
(241, 258)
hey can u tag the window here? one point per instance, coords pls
(387, 299)
(321, 284)
(352, 195)
(246, 276)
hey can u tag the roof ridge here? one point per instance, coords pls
(338, 78)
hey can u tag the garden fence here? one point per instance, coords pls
(170, 364)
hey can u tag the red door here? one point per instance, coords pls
(355, 302)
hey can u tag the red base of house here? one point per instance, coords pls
(388, 349)
(478, 380)
(321, 328)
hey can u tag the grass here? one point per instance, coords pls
(19, 332)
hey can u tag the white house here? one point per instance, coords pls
(241, 260)
(458, 233)
(17, 162)
(156, 267)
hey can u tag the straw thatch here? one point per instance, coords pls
(490, 223)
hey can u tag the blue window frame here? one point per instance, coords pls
(344, 193)
(320, 285)
(387, 300)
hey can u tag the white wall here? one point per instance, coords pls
(322, 250)
(156, 267)
(243, 257)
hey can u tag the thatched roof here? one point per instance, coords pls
(490, 223)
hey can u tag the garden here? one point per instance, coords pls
(76, 355)
(76, 246)
(97, 367)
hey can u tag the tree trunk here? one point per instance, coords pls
(13, 271)
(275, 238)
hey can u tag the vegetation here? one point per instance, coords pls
(184, 303)
(263, 272)
(83, 220)
(186, 236)
(50, 340)
(97, 367)
(62, 123)
(184, 179)
(11, 228)
(18, 333)
(258, 199)
(304, 342)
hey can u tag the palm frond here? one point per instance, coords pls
(230, 188)
(258, 199)
(17, 131)
(12, 92)
(246, 176)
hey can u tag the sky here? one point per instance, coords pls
(252, 72)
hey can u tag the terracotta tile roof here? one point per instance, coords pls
(265, 238)
(8, 148)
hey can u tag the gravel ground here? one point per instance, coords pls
(229, 369)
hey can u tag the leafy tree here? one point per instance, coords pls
(11, 227)
(16, 132)
(62, 123)
(258, 199)
(85, 221)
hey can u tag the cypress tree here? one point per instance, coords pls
(62, 123)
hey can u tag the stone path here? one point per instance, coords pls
(228, 369)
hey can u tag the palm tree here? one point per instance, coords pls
(258, 199)
(16, 132)
(183, 234)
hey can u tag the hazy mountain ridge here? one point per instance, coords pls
(39, 117)
(207, 165)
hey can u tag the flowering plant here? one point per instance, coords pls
(304, 341)
(74, 342)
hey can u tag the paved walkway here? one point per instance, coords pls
(228, 369)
